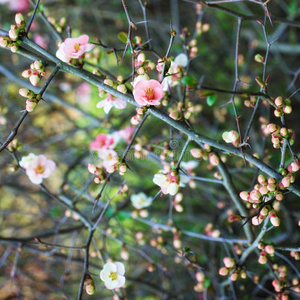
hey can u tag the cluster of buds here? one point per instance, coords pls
(14, 145)
(296, 285)
(142, 65)
(192, 48)
(295, 255)
(35, 73)
(123, 190)
(263, 126)
(283, 106)
(281, 282)
(176, 202)
(135, 120)
(114, 84)
(166, 151)
(279, 134)
(157, 242)
(59, 26)
(199, 153)
(231, 137)
(266, 250)
(230, 267)
(183, 110)
(250, 102)
(89, 285)
(12, 41)
(139, 151)
(200, 286)
(201, 28)
(32, 98)
(98, 172)
(210, 231)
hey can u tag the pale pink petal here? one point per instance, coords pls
(113, 284)
(83, 39)
(107, 107)
(159, 179)
(89, 47)
(121, 281)
(101, 103)
(119, 103)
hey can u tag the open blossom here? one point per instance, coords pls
(141, 200)
(169, 182)
(126, 133)
(74, 48)
(148, 92)
(37, 167)
(109, 157)
(113, 275)
(231, 137)
(102, 141)
(110, 102)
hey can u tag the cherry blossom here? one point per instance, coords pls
(141, 200)
(74, 48)
(110, 102)
(37, 167)
(169, 182)
(102, 141)
(113, 275)
(126, 133)
(148, 92)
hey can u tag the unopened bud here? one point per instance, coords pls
(14, 32)
(20, 21)
(287, 109)
(35, 78)
(274, 218)
(197, 153)
(5, 41)
(175, 115)
(39, 66)
(26, 93)
(279, 102)
(89, 285)
(31, 104)
(213, 159)
(258, 58)
(122, 88)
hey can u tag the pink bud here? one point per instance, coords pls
(278, 112)
(175, 115)
(31, 104)
(14, 47)
(213, 159)
(38, 66)
(92, 168)
(257, 220)
(234, 218)
(5, 41)
(229, 262)
(264, 190)
(284, 132)
(270, 249)
(279, 102)
(234, 276)
(284, 183)
(197, 153)
(35, 78)
(14, 32)
(272, 187)
(26, 93)
(293, 167)
(245, 196)
(262, 180)
(277, 286)
(274, 218)
(27, 73)
(20, 21)
(223, 271)
(264, 211)
(122, 88)
(263, 258)
(279, 196)
(287, 109)
(255, 196)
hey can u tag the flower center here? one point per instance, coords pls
(113, 276)
(39, 169)
(149, 93)
(77, 47)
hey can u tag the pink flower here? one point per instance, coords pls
(74, 48)
(41, 40)
(102, 141)
(148, 92)
(37, 167)
(111, 101)
(83, 93)
(169, 182)
(126, 133)
(16, 5)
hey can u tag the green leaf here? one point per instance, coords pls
(123, 37)
(189, 80)
(211, 99)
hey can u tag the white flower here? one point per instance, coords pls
(37, 167)
(181, 60)
(112, 275)
(108, 156)
(111, 102)
(169, 182)
(190, 165)
(141, 200)
(26, 160)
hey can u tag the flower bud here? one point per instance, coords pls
(39, 66)
(257, 220)
(293, 167)
(274, 218)
(108, 82)
(279, 196)
(89, 285)
(31, 104)
(175, 115)
(197, 153)
(5, 41)
(264, 190)
(26, 93)
(26, 73)
(255, 195)
(141, 71)
(258, 58)
(269, 249)
(263, 258)
(213, 159)
(245, 196)
(35, 78)
(14, 32)
(234, 276)
(223, 271)
(278, 112)
(20, 21)
(14, 47)
(279, 102)
(287, 109)
(284, 183)
(122, 88)
(273, 128)
(229, 262)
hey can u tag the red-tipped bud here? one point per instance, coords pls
(273, 128)
(20, 21)
(245, 196)
(5, 41)
(279, 196)
(270, 249)
(264, 190)
(262, 180)
(263, 258)
(255, 196)
(31, 104)
(279, 102)
(234, 218)
(284, 132)
(26, 93)
(257, 220)
(14, 32)
(223, 271)
(264, 211)
(274, 218)
(26, 73)
(39, 66)
(284, 183)
(293, 167)
(35, 78)
(278, 112)
(89, 285)
(287, 109)
(259, 58)
(175, 115)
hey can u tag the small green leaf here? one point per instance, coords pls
(123, 37)
(206, 282)
(211, 99)
(189, 80)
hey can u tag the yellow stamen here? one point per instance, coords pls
(149, 93)
(77, 47)
(39, 169)
(113, 275)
